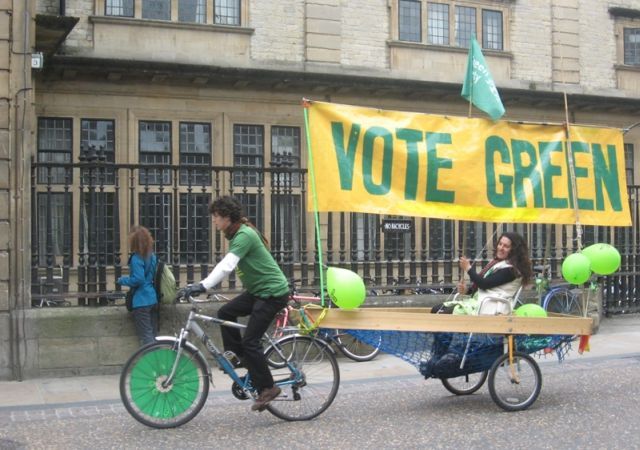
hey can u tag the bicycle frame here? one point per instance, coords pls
(192, 326)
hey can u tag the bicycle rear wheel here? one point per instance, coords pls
(465, 384)
(354, 349)
(515, 386)
(315, 375)
(157, 406)
(562, 301)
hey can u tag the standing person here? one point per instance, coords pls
(266, 293)
(509, 269)
(142, 268)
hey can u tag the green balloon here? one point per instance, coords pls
(345, 288)
(605, 259)
(530, 310)
(576, 268)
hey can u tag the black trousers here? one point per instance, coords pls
(262, 311)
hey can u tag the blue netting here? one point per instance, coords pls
(439, 355)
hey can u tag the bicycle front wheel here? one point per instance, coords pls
(158, 406)
(309, 381)
(514, 386)
(356, 350)
(562, 301)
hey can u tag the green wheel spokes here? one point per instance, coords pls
(147, 376)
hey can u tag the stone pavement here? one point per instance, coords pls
(616, 336)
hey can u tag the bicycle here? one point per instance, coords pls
(561, 298)
(165, 384)
(349, 346)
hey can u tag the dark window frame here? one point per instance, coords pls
(202, 15)
(123, 7)
(633, 52)
(58, 175)
(192, 175)
(293, 160)
(217, 18)
(248, 177)
(410, 34)
(155, 176)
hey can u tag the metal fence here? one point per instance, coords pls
(81, 214)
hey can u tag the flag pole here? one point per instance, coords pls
(306, 103)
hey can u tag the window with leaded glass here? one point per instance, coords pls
(155, 149)
(629, 164)
(122, 8)
(252, 205)
(195, 226)
(248, 153)
(285, 154)
(438, 23)
(192, 11)
(156, 9)
(227, 12)
(440, 238)
(632, 46)
(465, 25)
(409, 20)
(285, 227)
(492, 29)
(53, 227)
(97, 143)
(397, 245)
(99, 230)
(155, 214)
(54, 146)
(364, 229)
(195, 153)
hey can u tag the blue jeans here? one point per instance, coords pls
(146, 321)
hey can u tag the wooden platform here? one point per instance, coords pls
(420, 319)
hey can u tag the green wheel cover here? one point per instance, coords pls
(180, 395)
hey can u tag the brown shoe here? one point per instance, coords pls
(265, 397)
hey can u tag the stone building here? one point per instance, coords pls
(141, 110)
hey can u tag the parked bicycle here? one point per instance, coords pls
(349, 346)
(165, 384)
(560, 298)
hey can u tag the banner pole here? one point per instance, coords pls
(312, 181)
(572, 173)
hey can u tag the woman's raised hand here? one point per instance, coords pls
(465, 264)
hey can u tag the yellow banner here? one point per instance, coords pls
(400, 163)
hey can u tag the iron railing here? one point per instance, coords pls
(81, 214)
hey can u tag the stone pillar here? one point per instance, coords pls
(16, 143)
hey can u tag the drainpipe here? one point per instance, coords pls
(62, 8)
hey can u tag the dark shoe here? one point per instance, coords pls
(265, 397)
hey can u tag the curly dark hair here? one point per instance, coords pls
(227, 207)
(519, 256)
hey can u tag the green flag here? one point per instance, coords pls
(478, 86)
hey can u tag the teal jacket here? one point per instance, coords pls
(141, 274)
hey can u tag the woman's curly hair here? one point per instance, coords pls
(519, 256)
(140, 241)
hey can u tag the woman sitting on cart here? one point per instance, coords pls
(509, 270)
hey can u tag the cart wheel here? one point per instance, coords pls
(515, 387)
(465, 384)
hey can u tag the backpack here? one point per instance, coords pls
(165, 283)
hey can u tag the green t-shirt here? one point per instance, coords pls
(258, 271)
